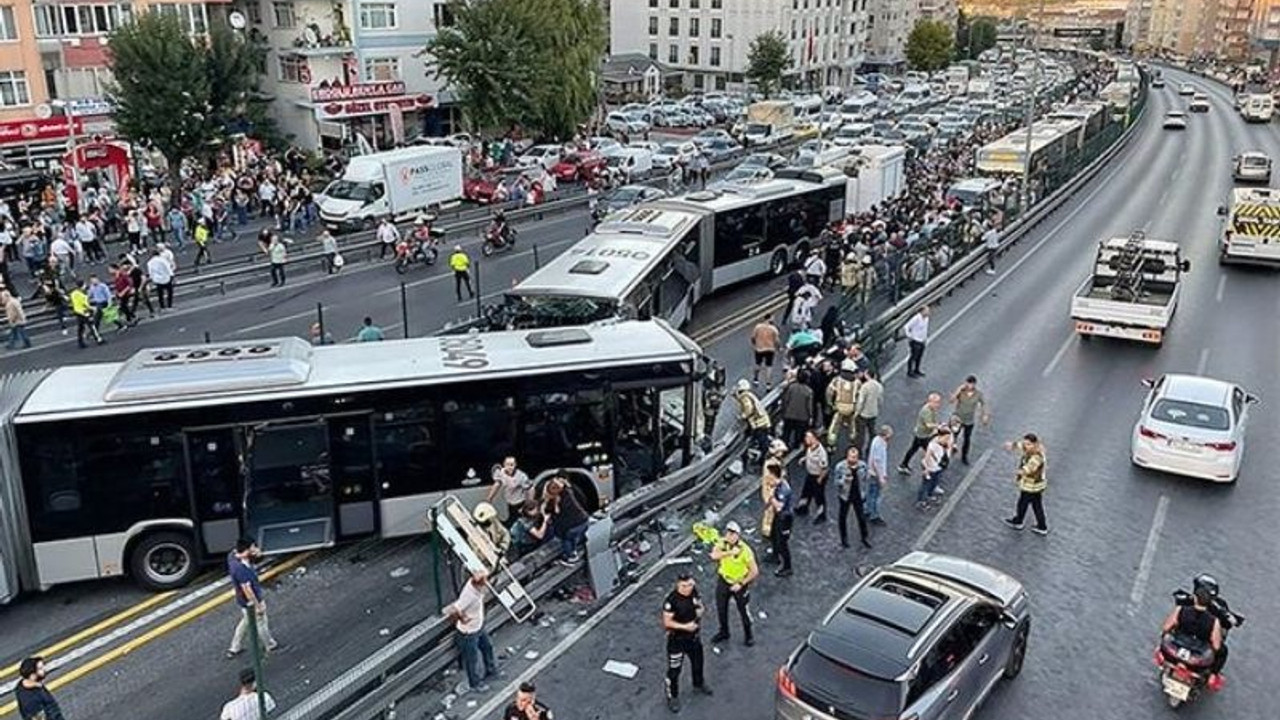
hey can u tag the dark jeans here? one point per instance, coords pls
(460, 278)
(760, 440)
(854, 501)
(87, 323)
(991, 258)
(203, 254)
(917, 443)
(277, 274)
(1035, 501)
(473, 649)
(18, 334)
(742, 599)
(781, 539)
(793, 431)
(916, 350)
(815, 491)
(571, 539)
(966, 437)
(164, 294)
(678, 646)
(928, 484)
(865, 428)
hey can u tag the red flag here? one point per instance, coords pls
(812, 48)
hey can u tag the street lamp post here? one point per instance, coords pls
(733, 58)
(1031, 105)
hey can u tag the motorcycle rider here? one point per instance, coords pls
(1200, 620)
(499, 232)
(424, 244)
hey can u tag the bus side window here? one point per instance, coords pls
(53, 488)
(559, 428)
(134, 473)
(479, 431)
(407, 447)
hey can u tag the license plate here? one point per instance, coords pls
(1184, 446)
(1176, 689)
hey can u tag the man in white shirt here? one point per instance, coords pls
(160, 270)
(878, 464)
(917, 332)
(467, 613)
(991, 242)
(936, 456)
(388, 236)
(61, 249)
(245, 705)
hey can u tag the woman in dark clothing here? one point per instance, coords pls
(829, 325)
(568, 519)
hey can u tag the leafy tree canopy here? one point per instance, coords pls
(929, 46)
(767, 59)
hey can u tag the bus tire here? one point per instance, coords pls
(163, 560)
(778, 263)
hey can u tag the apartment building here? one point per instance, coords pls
(1137, 24)
(1230, 35)
(945, 11)
(707, 41)
(53, 69)
(889, 24)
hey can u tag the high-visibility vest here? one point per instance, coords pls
(735, 566)
(753, 412)
(459, 262)
(844, 394)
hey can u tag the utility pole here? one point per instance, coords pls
(1031, 105)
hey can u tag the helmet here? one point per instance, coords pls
(484, 513)
(744, 385)
(1205, 588)
(849, 365)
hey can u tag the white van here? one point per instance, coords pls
(634, 162)
(861, 106)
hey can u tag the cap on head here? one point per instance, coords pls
(733, 527)
(528, 687)
(484, 513)
(744, 385)
(849, 366)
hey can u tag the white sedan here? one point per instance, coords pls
(1194, 426)
(543, 156)
(1199, 103)
(1175, 120)
(1187, 89)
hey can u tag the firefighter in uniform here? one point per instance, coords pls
(754, 414)
(682, 619)
(842, 396)
(737, 570)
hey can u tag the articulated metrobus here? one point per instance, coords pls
(659, 259)
(154, 465)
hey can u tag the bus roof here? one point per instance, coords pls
(610, 261)
(256, 370)
(733, 195)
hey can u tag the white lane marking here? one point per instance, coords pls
(504, 695)
(1057, 357)
(269, 323)
(897, 367)
(1222, 287)
(1148, 555)
(1204, 361)
(936, 523)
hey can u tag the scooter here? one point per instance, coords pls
(496, 240)
(415, 249)
(1185, 662)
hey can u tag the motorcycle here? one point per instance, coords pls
(1185, 662)
(418, 248)
(498, 238)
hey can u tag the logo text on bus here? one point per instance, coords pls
(464, 353)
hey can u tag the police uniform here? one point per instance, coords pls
(683, 609)
(733, 570)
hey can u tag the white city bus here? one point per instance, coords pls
(154, 465)
(660, 258)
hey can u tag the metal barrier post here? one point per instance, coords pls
(320, 321)
(536, 262)
(404, 309)
(479, 294)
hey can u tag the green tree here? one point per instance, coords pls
(929, 46)
(982, 36)
(161, 88)
(527, 62)
(767, 59)
(231, 64)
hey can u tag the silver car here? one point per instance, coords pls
(928, 636)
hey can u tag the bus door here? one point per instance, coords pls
(289, 498)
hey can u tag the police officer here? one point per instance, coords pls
(682, 618)
(737, 570)
(460, 264)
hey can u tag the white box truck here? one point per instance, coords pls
(1133, 290)
(397, 183)
(769, 123)
(876, 173)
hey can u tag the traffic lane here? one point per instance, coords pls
(352, 294)
(37, 621)
(330, 611)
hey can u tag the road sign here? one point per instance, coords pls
(477, 553)
(1083, 32)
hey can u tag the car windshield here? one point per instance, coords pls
(1255, 161)
(824, 682)
(760, 160)
(1189, 414)
(625, 195)
(669, 150)
(757, 129)
(348, 190)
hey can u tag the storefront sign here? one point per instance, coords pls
(379, 106)
(88, 106)
(358, 91)
(35, 130)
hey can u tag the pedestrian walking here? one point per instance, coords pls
(460, 264)
(765, 339)
(514, 485)
(815, 268)
(474, 646)
(784, 516)
(682, 619)
(370, 332)
(34, 700)
(736, 571)
(917, 332)
(970, 407)
(798, 408)
(244, 706)
(201, 238)
(249, 598)
(870, 395)
(329, 246)
(991, 243)
(388, 235)
(160, 270)
(807, 298)
(936, 456)
(852, 478)
(814, 460)
(141, 286)
(86, 318)
(878, 464)
(753, 413)
(926, 426)
(1031, 482)
(278, 251)
(526, 705)
(795, 281)
(842, 398)
(17, 319)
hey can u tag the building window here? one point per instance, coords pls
(694, 4)
(653, 3)
(294, 69)
(693, 27)
(653, 26)
(378, 16)
(699, 82)
(8, 28)
(282, 15)
(693, 55)
(720, 82)
(191, 16)
(674, 29)
(383, 69)
(13, 88)
(675, 4)
(653, 51)
(673, 54)
(254, 10)
(86, 19)
(81, 82)
(717, 4)
(716, 28)
(443, 15)
(715, 57)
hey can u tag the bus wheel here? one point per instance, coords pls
(778, 263)
(163, 561)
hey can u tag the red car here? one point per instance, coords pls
(579, 165)
(480, 188)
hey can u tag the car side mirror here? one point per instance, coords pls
(1008, 620)
(1251, 398)
(1222, 211)
(1148, 382)
(1186, 266)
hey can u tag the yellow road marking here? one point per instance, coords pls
(128, 647)
(12, 670)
